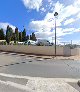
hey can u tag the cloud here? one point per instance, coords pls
(32, 4)
(39, 35)
(41, 26)
(43, 9)
(78, 15)
(66, 15)
(68, 11)
(69, 21)
(58, 7)
(4, 26)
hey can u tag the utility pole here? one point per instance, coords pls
(71, 42)
(55, 15)
(52, 39)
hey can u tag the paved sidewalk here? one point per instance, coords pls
(35, 84)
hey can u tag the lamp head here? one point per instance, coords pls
(55, 14)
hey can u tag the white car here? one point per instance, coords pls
(20, 43)
(43, 42)
(30, 42)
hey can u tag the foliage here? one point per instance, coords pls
(27, 37)
(72, 46)
(2, 36)
(20, 36)
(32, 37)
(24, 35)
(16, 34)
(9, 33)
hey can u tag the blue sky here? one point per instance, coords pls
(38, 16)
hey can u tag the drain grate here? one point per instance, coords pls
(30, 56)
(6, 65)
(11, 64)
(6, 53)
(23, 62)
(17, 63)
(14, 54)
(30, 61)
(47, 58)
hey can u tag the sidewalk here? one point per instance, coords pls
(37, 84)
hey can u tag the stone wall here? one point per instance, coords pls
(43, 50)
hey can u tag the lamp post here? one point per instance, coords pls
(55, 15)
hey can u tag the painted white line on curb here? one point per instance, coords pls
(39, 78)
(18, 86)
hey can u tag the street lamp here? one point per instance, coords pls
(55, 15)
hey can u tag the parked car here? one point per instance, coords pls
(43, 42)
(20, 43)
(30, 42)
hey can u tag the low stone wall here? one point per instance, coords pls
(75, 51)
(43, 50)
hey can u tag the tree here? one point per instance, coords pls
(71, 46)
(17, 34)
(14, 37)
(2, 36)
(20, 36)
(30, 37)
(33, 37)
(9, 33)
(27, 37)
(24, 35)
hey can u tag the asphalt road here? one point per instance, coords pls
(29, 66)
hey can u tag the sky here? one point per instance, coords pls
(38, 16)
